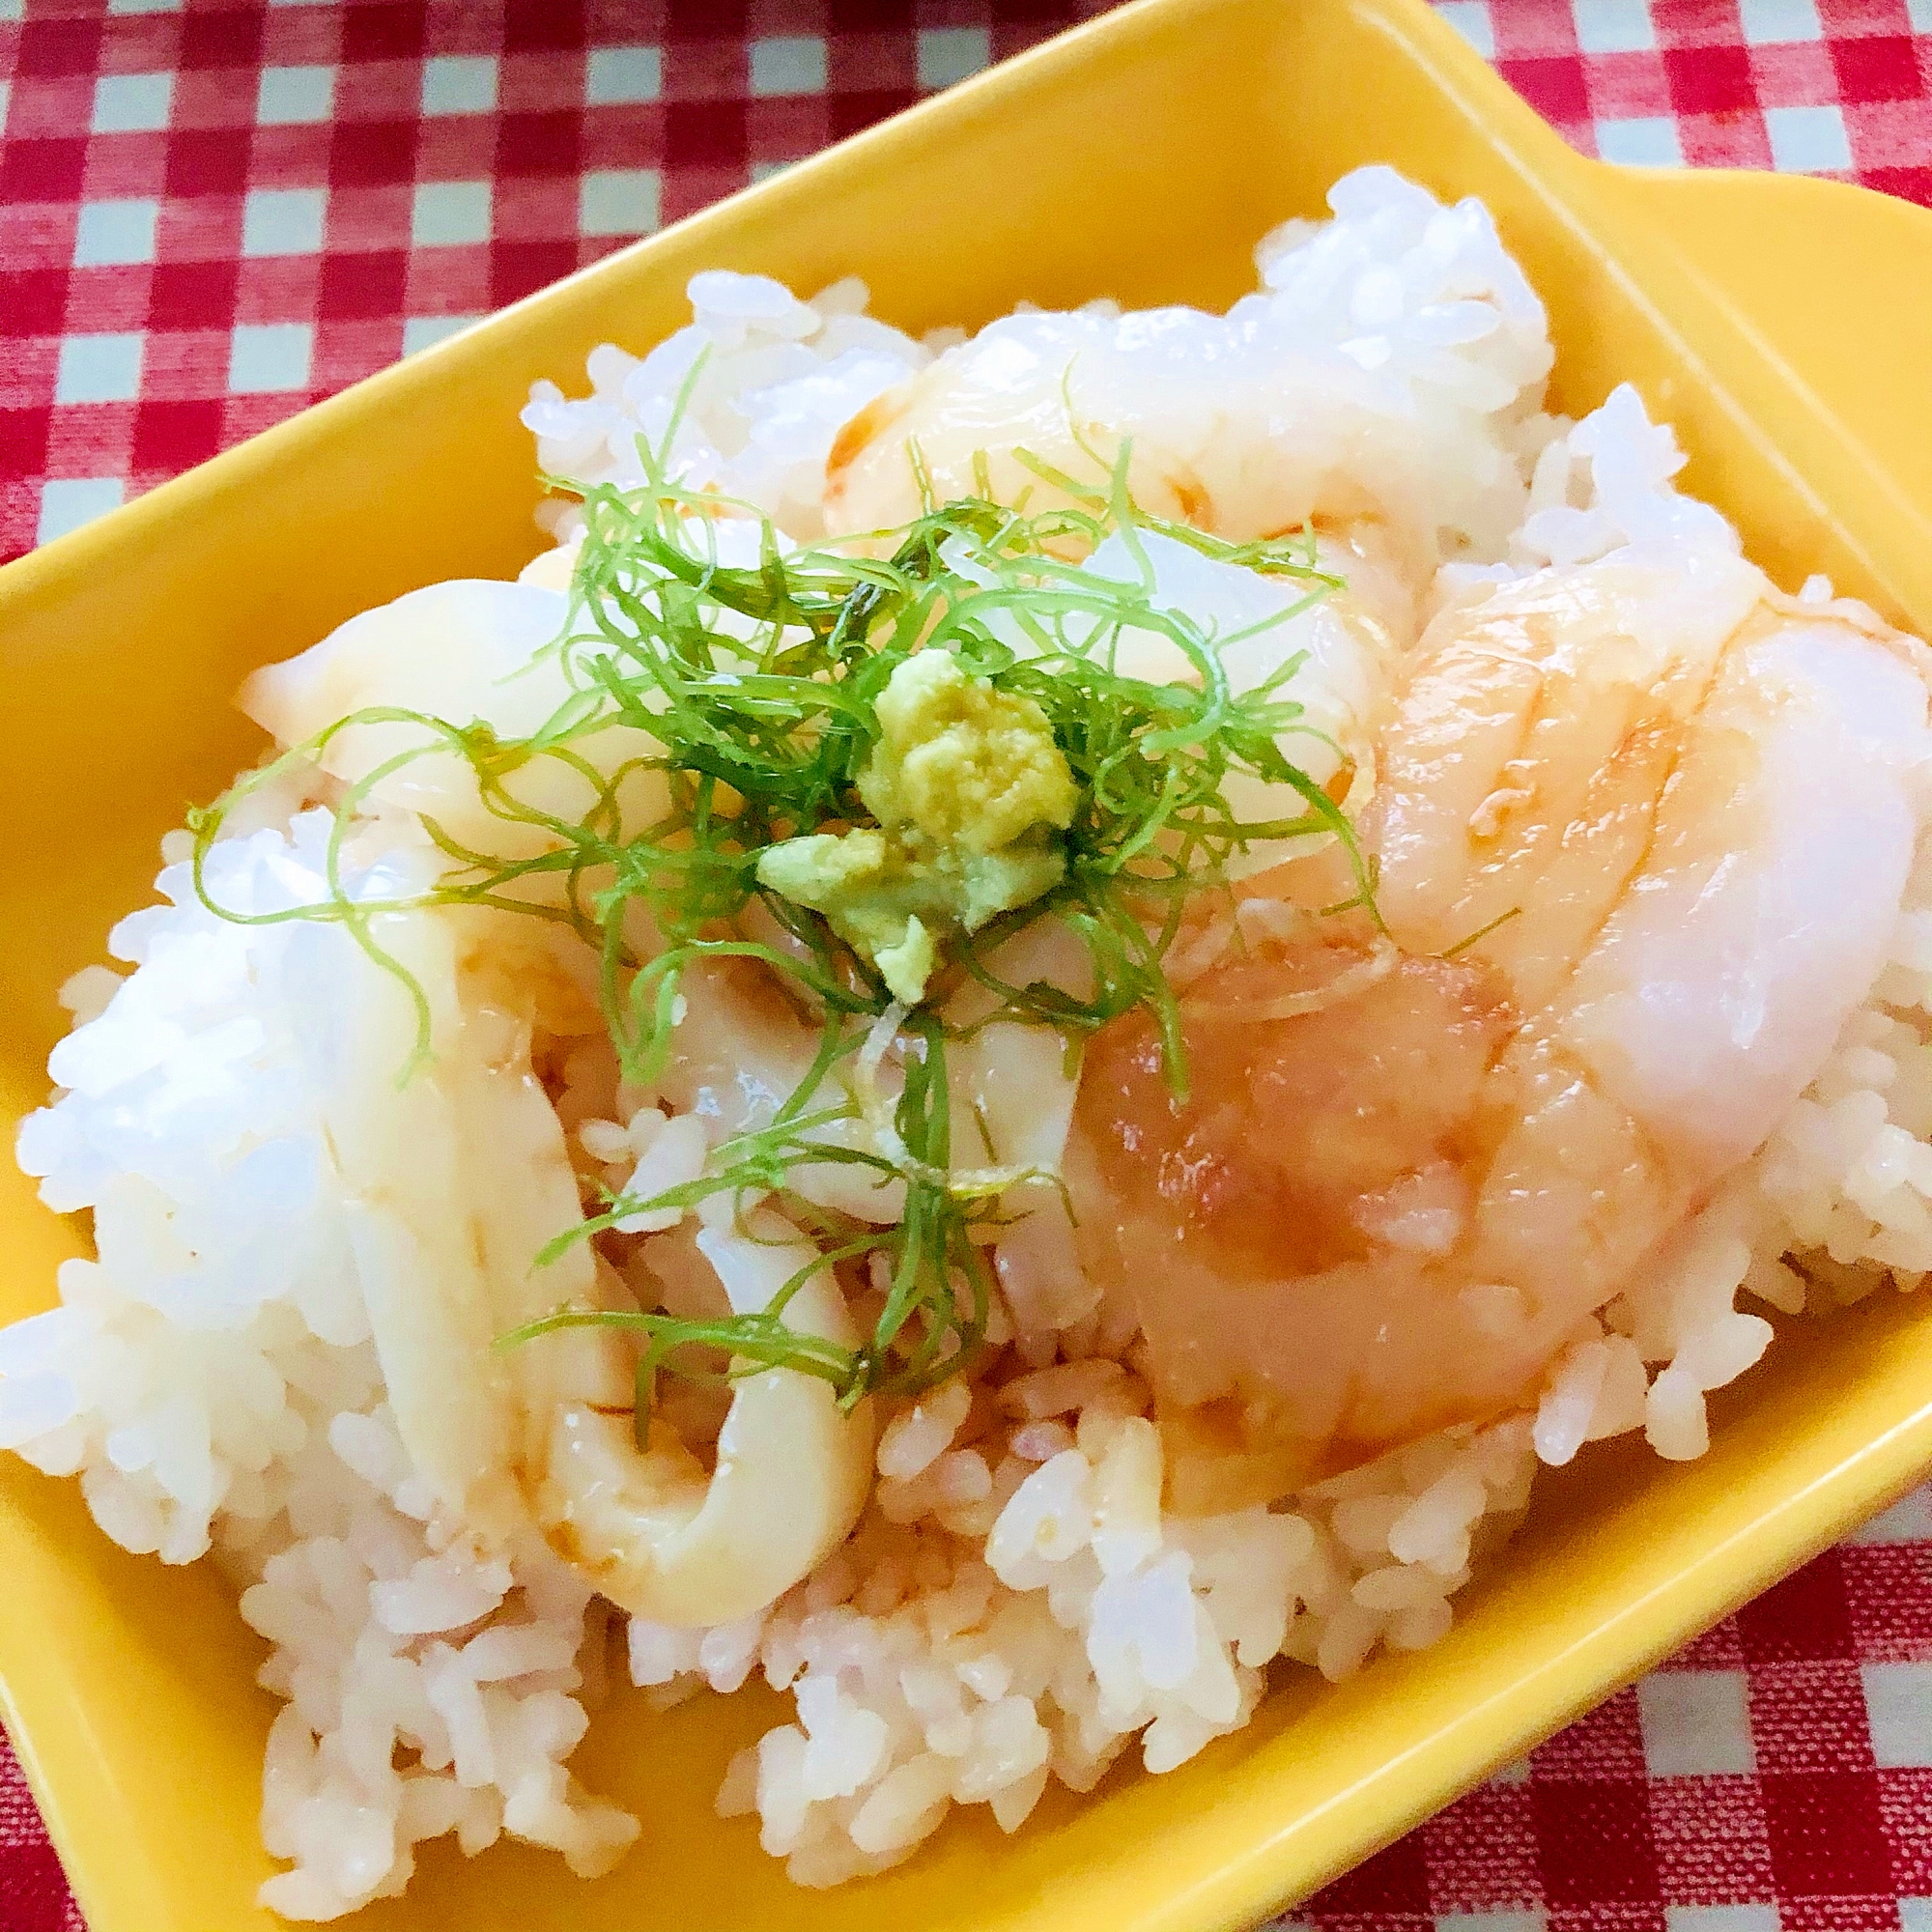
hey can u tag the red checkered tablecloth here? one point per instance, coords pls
(214, 212)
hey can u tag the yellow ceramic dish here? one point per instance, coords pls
(1777, 322)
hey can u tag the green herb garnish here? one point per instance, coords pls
(761, 688)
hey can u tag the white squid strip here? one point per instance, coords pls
(456, 1178)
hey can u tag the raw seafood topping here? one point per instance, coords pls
(867, 769)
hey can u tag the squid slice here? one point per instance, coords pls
(456, 1177)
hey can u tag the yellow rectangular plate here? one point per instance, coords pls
(1777, 321)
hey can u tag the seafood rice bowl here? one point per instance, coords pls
(1009, 1045)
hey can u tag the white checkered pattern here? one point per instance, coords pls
(1695, 1723)
(1619, 76)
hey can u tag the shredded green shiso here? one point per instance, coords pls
(759, 685)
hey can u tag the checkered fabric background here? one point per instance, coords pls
(214, 212)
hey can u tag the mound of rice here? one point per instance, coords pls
(1404, 325)
(212, 1380)
(1015, 1606)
